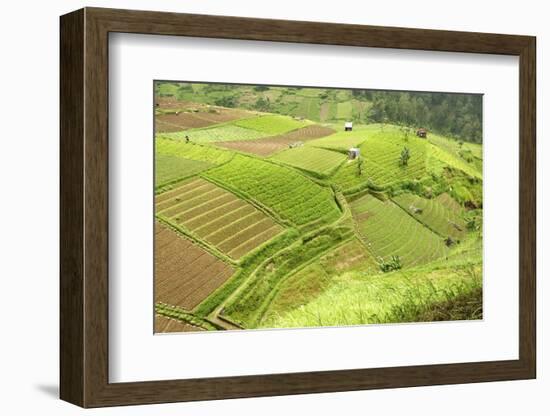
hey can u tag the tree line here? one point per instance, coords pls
(457, 115)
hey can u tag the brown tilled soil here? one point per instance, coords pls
(168, 123)
(165, 324)
(269, 145)
(185, 274)
(217, 216)
(193, 115)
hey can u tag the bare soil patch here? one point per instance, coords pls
(269, 145)
(165, 324)
(185, 274)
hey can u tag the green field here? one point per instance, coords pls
(169, 168)
(279, 228)
(222, 133)
(213, 155)
(270, 125)
(389, 231)
(342, 140)
(304, 200)
(319, 161)
(436, 216)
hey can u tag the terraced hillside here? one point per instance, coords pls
(381, 152)
(263, 220)
(304, 201)
(216, 216)
(436, 216)
(390, 231)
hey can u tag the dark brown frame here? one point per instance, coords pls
(84, 207)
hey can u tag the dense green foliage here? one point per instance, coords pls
(457, 115)
(382, 155)
(258, 291)
(289, 194)
(413, 296)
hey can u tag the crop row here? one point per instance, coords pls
(448, 202)
(389, 230)
(342, 140)
(185, 274)
(442, 156)
(217, 216)
(435, 215)
(270, 125)
(219, 133)
(166, 146)
(311, 159)
(288, 193)
(381, 152)
(259, 291)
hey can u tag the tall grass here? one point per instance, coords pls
(415, 296)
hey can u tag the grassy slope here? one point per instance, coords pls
(433, 214)
(315, 278)
(389, 230)
(405, 296)
(381, 152)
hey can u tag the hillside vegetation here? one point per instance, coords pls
(267, 219)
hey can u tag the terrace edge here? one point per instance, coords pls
(84, 207)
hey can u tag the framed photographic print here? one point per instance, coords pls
(256, 207)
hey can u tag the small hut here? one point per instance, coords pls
(353, 153)
(422, 132)
(348, 126)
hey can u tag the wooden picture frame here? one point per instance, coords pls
(84, 207)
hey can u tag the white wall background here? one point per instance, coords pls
(29, 210)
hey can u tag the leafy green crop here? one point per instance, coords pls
(289, 194)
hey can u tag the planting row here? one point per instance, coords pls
(217, 216)
(288, 193)
(389, 231)
(312, 159)
(185, 274)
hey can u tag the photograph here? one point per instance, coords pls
(293, 207)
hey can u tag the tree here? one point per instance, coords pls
(405, 156)
(262, 104)
(360, 165)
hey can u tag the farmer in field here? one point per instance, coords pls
(186, 139)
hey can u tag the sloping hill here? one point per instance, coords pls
(390, 231)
